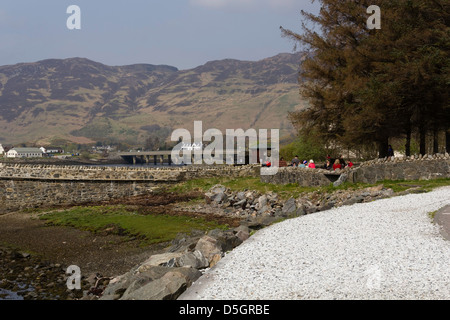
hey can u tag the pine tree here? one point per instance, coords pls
(367, 86)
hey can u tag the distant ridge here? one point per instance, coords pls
(84, 101)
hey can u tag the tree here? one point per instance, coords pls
(367, 86)
(152, 143)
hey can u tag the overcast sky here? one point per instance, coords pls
(180, 33)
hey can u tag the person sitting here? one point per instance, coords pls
(349, 164)
(267, 164)
(311, 164)
(327, 166)
(295, 161)
(303, 164)
(337, 165)
(390, 152)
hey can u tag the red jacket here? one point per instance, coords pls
(336, 166)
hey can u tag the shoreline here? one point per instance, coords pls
(100, 257)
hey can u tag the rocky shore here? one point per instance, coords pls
(167, 272)
(167, 275)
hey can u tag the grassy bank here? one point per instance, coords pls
(121, 221)
(294, 190)
(153, 223)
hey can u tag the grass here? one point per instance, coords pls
(241, 184)
(157, 228)
(294, 190)
(432, 214)
(149, 229)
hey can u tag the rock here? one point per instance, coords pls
(241, 203)
(227, 239)
(220, 197)
(242, 232)
(353, 200)
(260, 221)
(262, 202)
(168, 287)
(289, 207)
(209, 247)
(192, 259)
(131, 281)
(117, 286)
(342, 178)
(243, 235)
(241, 196)
(183, 242)
(162, 259)
(218, 188)
(216, 258)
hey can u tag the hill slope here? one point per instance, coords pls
(85, 101)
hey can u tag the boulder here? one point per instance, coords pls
(241, 196)
(217, 194)
(168, 287)
(241, 203)
(289, 207)
(193, 259)
(184, 242)
(262, 202)
(242, 232)
(163, 259)
(227, 239)
(209, 246)
(342, 178)
(135, 279)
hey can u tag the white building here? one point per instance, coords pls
(2, 150)
(24, 153)
(51, 150)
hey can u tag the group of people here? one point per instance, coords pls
(331, 164)
(302, 164)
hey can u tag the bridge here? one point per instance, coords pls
(148, 157)
(164, 157)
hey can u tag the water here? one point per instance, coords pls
(11, 295)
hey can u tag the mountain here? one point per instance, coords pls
(83, 101)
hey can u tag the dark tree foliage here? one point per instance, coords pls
(367, 86)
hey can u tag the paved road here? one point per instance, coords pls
(442, 217)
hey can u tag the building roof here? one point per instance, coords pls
(27, 150)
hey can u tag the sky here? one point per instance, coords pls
(180, 33)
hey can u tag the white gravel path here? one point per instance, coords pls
(386, 249)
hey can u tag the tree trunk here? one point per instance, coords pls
(382, 147)
(408, 139)
(435, 141)
(422, 139)
(447, 141)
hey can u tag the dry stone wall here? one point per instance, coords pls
(303, 176)
(399, 168)
(426, 167)
(28, 186)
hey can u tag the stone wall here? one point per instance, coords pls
(400, 168)
(97, 173)
(28, 186)
(303, 176)
(20, 194)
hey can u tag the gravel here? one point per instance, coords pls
(386, 249)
